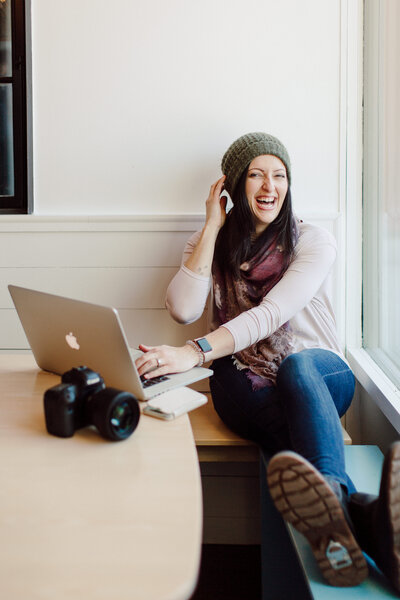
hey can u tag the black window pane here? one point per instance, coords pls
(6, 141)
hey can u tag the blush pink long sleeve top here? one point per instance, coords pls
(300, 297)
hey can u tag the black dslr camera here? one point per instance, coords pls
(82, 399)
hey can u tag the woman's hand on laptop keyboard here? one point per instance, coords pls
(162, 360)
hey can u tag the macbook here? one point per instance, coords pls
(65, 333)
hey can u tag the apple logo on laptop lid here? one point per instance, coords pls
(72, 341)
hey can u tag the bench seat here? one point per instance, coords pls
(216, 443)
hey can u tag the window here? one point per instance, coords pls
(381, 186)
(13, 111)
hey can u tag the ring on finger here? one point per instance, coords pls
(159, 363)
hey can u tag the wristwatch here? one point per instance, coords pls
(201, 346)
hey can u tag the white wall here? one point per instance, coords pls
(134, 102)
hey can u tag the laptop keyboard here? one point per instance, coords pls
(148, 382)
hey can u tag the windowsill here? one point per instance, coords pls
(376, 383)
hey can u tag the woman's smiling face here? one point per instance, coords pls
(266, 188)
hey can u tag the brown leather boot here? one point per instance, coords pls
(377, 519)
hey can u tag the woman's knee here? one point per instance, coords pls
(314, 375)
(294, 367)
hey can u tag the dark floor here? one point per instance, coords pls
(229, 573)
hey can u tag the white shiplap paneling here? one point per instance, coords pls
(126, 263)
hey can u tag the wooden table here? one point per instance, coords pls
(86, 518)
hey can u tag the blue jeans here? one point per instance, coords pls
(302, 412)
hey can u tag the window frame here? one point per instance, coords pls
(378, 386)
(20, 202)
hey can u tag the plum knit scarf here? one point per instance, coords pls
(233, 296)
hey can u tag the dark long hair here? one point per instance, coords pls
(235, 243)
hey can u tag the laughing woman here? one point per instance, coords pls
(280, 378)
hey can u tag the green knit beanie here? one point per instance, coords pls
(240, 154)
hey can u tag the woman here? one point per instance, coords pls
(280, 378)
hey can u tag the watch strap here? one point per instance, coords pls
(199, 352)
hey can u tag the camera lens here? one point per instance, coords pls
(114, 413)
(122, 419)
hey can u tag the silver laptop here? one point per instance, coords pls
(65, 333)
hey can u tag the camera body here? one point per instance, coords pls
(82, 399)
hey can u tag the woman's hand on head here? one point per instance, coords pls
(200, 260)
(215, 205)
(162, 360)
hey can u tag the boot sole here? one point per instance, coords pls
(305, 500)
